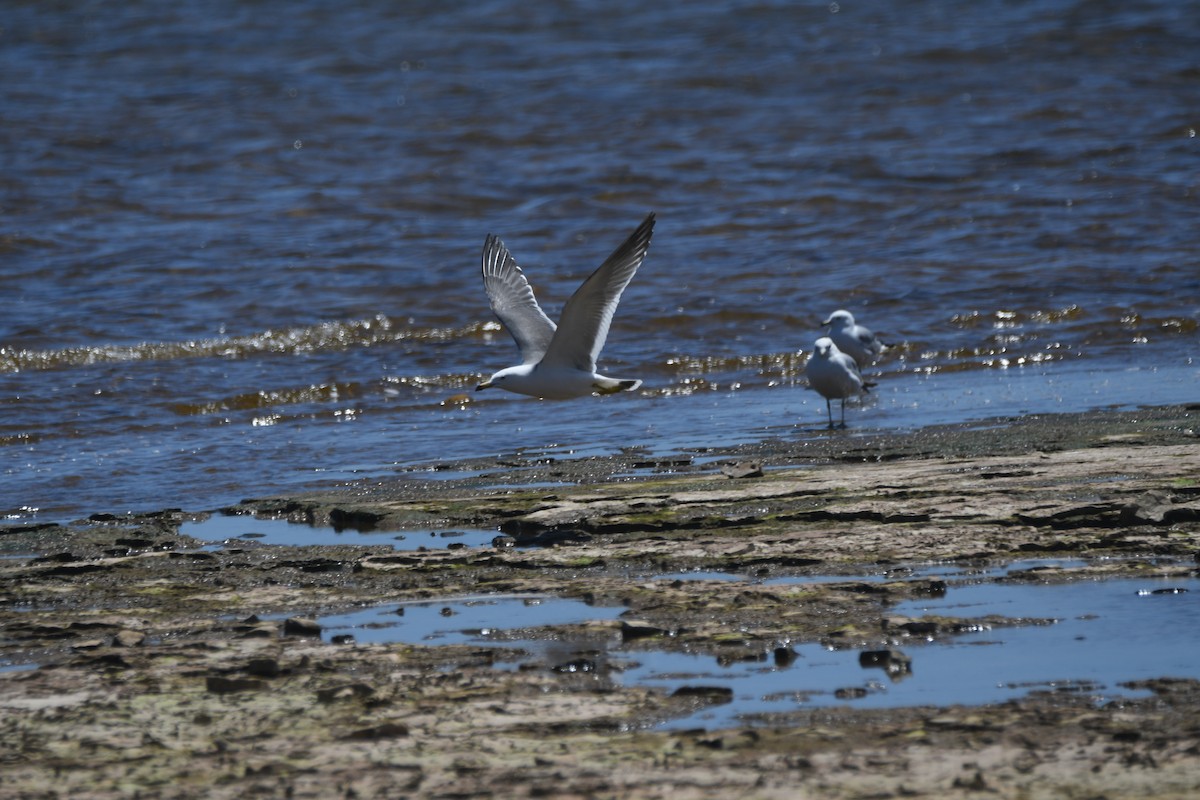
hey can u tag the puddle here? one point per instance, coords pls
(1105, 633)
(946, 571)
(234, 527)
(528, 485)
(471, 620)
(446, 474)
(703, 575)
(8, 667)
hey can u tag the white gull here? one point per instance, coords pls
(852, 339)
(559, 362)
(834, 375)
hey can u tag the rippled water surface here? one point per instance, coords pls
(240, 242)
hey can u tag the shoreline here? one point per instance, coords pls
(164, 670)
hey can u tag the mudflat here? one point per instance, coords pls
(142, 662)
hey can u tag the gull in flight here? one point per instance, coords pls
(853, 340)
(834, 375)
(558, 363)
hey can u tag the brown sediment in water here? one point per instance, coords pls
(167, 668)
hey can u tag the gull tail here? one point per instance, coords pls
(612, 385)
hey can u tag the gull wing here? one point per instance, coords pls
(583, 326)
(512, 301)
(869, 341)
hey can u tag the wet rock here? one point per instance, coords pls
(912, 627)
(1092, 515)
(784, 656)
(850, 693)
(88, 644)
(1165, 686)
(100, 658)
(359, 519)
(933, 587)
(56, 558)
(74, 568)
(895, 663)
(713, 694)
(975, 783)
(260, 630)
(636, 629)
(740, 656)
(316, 565)
(536, 536)
(134, 542)
(265, 667)
(195, 556)
(343, 638)
(33, 527)
(964, 722)
(503, 542)
(743, 469)
(385, 730)
(128, 638)
(578, 665)
(1150, 507)
(345, 691)
(221, 684)
(1159, 508)
(301, 626)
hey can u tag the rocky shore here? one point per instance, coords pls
(137, 661)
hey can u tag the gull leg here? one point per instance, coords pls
(829, 411)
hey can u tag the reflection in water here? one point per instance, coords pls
(233, 528)
(1094, 636)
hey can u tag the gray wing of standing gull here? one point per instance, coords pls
(512, 301)
(869, 341)
(583, 326)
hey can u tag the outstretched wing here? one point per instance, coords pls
(583, 326)
(512, 301)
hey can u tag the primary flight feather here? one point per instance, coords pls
(559, 362)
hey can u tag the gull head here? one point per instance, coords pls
(507, 378)
(840, 319)
(824, 347)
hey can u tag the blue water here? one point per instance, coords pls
(233, 528)
(239, 242)
(1092, 636)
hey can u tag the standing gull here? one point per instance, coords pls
(853, 340)
(834, 375)
(560, 363)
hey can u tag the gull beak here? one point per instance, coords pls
(828, 321)
(484, 385)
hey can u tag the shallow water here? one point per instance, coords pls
(1096, 635)
(458, 620)
(240, 242)
(940, 570)
(229, 528)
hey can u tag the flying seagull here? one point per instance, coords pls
(558, 363)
